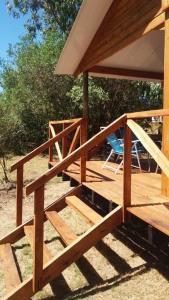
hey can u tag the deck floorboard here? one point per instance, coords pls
(146, 200)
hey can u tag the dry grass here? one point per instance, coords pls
(114, 269)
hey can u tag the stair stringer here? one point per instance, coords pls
(70, 254)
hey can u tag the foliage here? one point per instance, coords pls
(110, 98)
(44, 15)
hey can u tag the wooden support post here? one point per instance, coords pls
(83, 158)
(127, 172)
(86, 100)
(38, 238)
(64, 143)
(50, 147)
(19, 195)
(165, 139)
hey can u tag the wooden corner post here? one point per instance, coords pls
(165, 137)
(127, 172)
(86, 100)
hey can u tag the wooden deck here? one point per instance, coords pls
(147, 203)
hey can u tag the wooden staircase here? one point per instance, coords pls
(46, 265)
(75, 246)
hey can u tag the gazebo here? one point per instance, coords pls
(121, 39)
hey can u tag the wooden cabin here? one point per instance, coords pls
(117, 39)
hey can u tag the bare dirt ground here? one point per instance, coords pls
(116, 268)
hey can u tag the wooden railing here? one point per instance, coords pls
(37, 186)
(72, 125)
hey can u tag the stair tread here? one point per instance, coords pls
(12, 278)
(67, 235)
(46, 252)
(88, 213)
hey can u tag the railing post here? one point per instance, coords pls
(50, 147)
(127, 172)
(38, 237)
(83, 137)
(64, 143)
(19, 195)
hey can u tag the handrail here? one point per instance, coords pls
(81, 151)
(150, 146)
(45, 146)
(19, 166)
(64, 121)
(148, 114)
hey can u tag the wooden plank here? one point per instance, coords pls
(38, 237)
(57, 205)
(83, 158)
(75, 140)
(155, 215)
(126, 72)
(19, 195)
(150, 146)
(85, 211)
(127, 172)
(165, 137)
(45, 146)
(67, 235)
(98, 138)
(124, 23)
(12, 279)
(50, 147)
(64, 142)
(56, 143)
(64, 121)
(148, 114)
(74, 251)
(29, 232)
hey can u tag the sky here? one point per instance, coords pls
(11, 29)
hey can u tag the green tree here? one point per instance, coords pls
(44, 15)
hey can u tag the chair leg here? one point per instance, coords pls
(119, 166)
(138, 160)
(111, 152)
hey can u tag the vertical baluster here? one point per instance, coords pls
(19, 195)
(127, 172)
(51, 147)
(38, 237)
(83, 137)
(64, 143)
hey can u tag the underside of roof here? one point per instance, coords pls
(146, 54)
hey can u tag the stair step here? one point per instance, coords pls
(67, 235)
(12, 278)
(86, 212)
(29, 232)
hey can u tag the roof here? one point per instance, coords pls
(145, 54)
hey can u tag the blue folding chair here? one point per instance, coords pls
(117, 148)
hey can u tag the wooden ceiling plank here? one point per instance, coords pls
(125, 22)
(126, 72)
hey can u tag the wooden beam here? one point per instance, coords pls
(56, 143)
(150, 146)
(86, 99)
(125, 22)
(126, 72)
(126, 172)
(148, 114)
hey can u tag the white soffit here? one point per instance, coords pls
(145, 54)
(88, 20)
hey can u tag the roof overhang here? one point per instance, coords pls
(141, 59)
